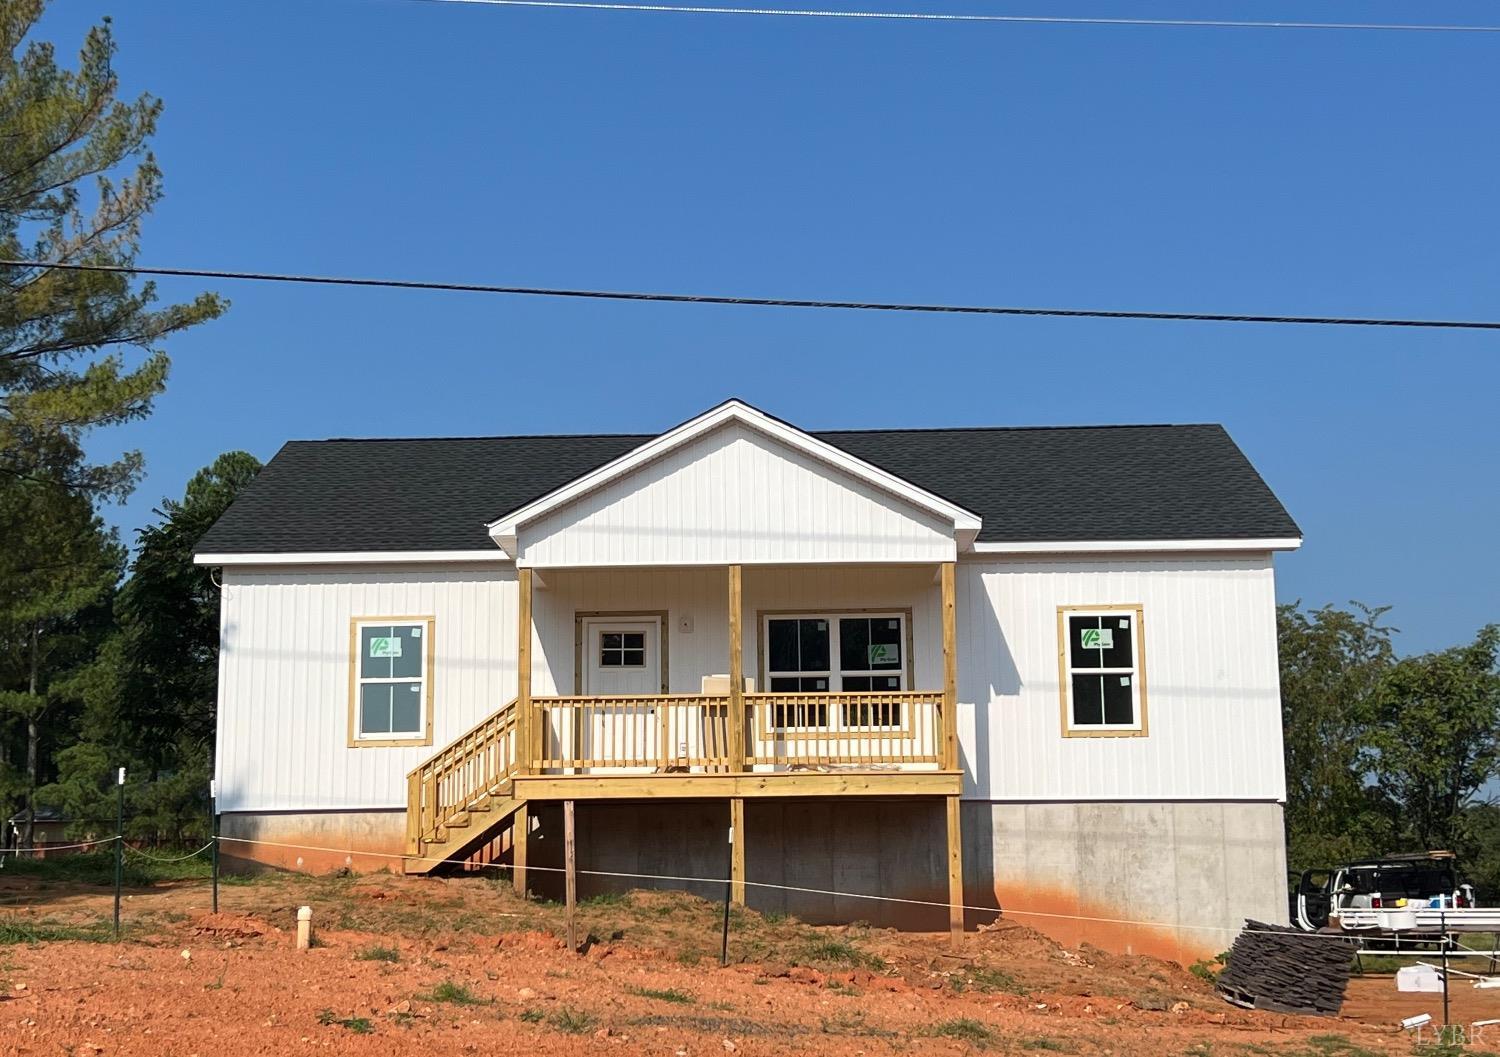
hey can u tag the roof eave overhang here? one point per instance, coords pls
(505, 530)
(1255, 545)
(347, 557)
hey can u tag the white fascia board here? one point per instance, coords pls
(351, 557)
(1128, 546)
(965, 523)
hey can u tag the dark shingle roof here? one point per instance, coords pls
(1054, 484)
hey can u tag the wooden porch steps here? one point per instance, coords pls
(464, 797)
(464, 833)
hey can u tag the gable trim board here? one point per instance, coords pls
(505, 530)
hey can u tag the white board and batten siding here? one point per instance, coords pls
(734, 495)
(1211, 673)
(284, 677)
(1213, 694)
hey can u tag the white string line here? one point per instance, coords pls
(180, 858)
(918, 16)
(790, 888)
(1001, 911)
(54, 847)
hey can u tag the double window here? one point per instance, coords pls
(391, 681)
(1102, 668)
(817, 653)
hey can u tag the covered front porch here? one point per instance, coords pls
(811, 681)
(733, 610)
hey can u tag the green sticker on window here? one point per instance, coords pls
(884, 653)
(385, 646)
(1097, 638)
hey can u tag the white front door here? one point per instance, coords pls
(621, 656)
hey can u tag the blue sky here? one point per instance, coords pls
(1225, 170)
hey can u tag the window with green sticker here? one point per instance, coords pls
(1100, 664)
(835, 652)
(391, 691)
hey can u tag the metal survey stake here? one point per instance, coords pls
(119, 846)
(213, 815)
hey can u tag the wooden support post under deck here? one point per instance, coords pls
(737, 851)
(520, 830)
(950, 670)
(736, 674)
(570, 874)
(955, 873)
(414, 813)
(523, 673)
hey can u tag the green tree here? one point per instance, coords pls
(150, 699)
(64, 334)
(58, 569)
(1333, 663)
(1438, 740)
(169, 612)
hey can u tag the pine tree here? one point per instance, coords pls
(65, 335)
(58, 570)
(149, 699)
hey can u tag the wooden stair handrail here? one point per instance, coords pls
(467, 769)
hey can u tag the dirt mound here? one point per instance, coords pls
(231, 927)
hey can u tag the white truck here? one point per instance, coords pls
(1417, 894)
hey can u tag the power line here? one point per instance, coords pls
(757, 302)
(917, 16)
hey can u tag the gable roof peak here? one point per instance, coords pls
(965, 523)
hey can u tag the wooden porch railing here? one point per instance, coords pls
(657, 732)
(691, 732)
(476, 764)
(877, 728)
(674, 733)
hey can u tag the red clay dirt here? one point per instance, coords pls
(430, 966)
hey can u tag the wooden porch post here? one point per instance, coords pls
(524, 717)
(520, 829)
(950, 670)
(950, 752)
(736, 675)
(737, 850)
(570, 865)
(955, 873)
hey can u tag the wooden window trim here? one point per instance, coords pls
(429, 677)
(1064, 682)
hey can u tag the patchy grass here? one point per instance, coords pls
(572, 1021)
(1331, 1046)
(50, 931)
(452, 994)
(839, 953)
(988, 980)
(378, 953)
(532, 1016)
(854, 1024)
(669, 994)
(358, 1025)
(1043, 1043)
(605, 899)
(964, 1029)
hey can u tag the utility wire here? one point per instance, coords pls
(760, 302)
(917, 16)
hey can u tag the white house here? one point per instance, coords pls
(1032, 669)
